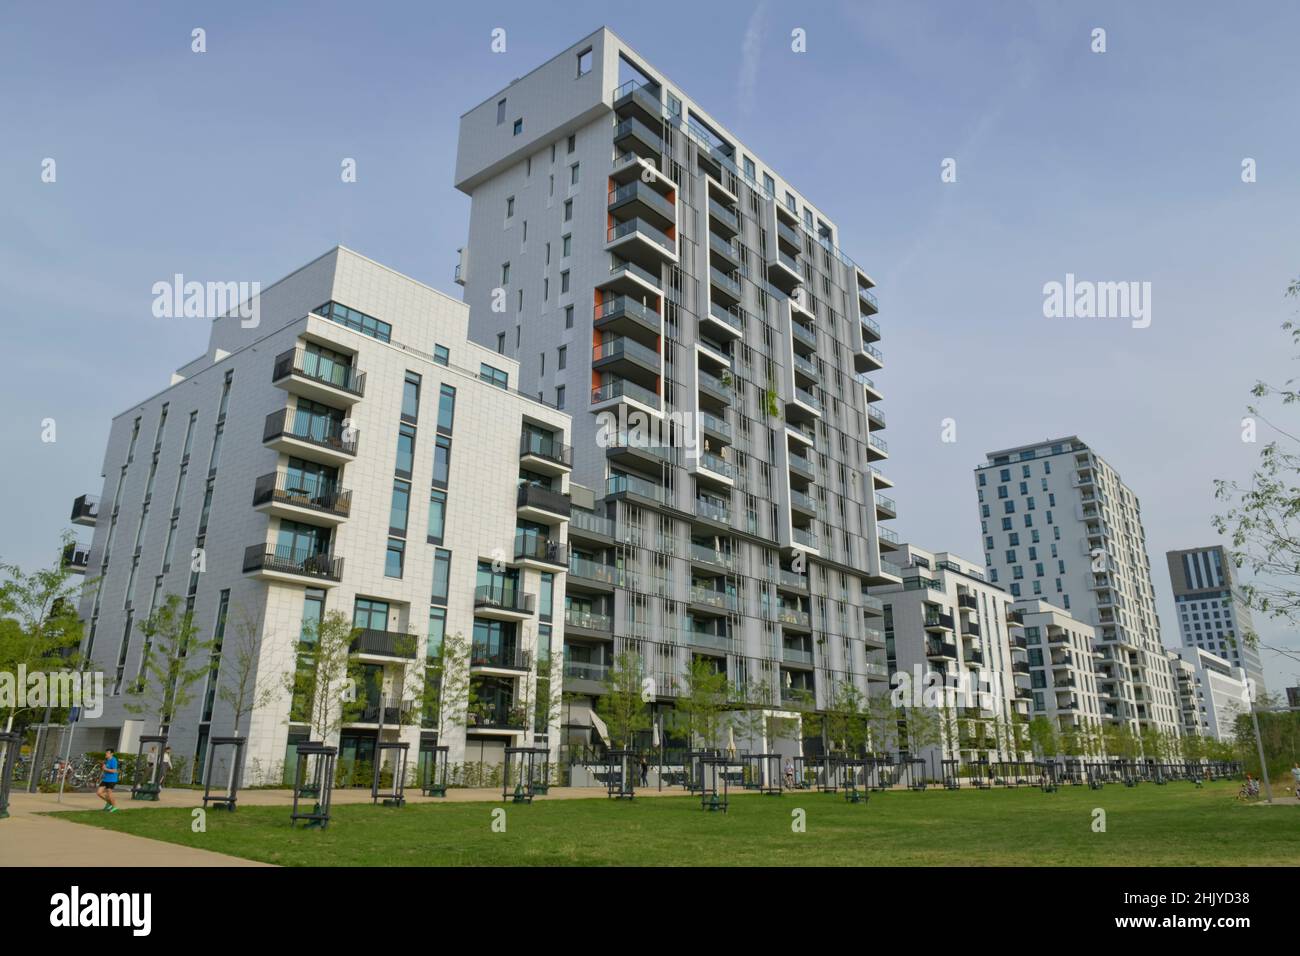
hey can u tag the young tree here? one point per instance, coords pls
(39, 626)
(446, 686)
(751, 717)
(845, 723)
(324, 684)
(924, 730)
(242, 689)
(1043, 738)
(1262, 515)
(882, 723)
(171, 664)
(701, 702)
(622, 707)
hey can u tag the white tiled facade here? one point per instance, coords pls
(1212, 692)
(1058, 523)
(427, 337)
(1065, 671)
(635, 257)
(1212, 614)
(946, 618)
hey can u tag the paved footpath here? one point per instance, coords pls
(33, 837)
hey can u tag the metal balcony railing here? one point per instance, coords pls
(318, 368)
(302, 491)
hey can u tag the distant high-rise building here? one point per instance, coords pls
(1212, 692)
(1058, 523)
(1212, 616)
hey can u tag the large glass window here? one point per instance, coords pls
(401, 507)
(411, 397)
(405, 449)
(441, 461)
(446, 408)
(437, 630)
(493, 376)
(357, 321)
(313, 609)
(297, 542)
(394, 558)
(370, 615)
(437, 516)
(441, 576)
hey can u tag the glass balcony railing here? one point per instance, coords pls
(793, 616)
(807, 397)
(643, 193)
(623, 305)
(644, 228)
(594, 570)
(715, 385)
(631, 268)
(622, 388)
(801, 500)
(630, 484)
(793, 579)
(796, 655)
(802, 466)
(730, 317)
(715, 424)
(590, 620)
(875, 441)
(805, 537)
(545, 446)
(788, 261)
(725, 282)
(886, 502)
(724, 215)
(596, 524)
(804, 365)
(580, 670)
(804, 334)
(717, 465)
(714, 598)
(623, 347)
(723, 559)
(713, 510)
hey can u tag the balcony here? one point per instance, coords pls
(938, 622)
(310, 436)
(804, 334)
(803, 467)
(590, 621)
(794, 617)
(715, 427)
(715, 387)
(638, 200)
(712, 556)
(299, 496)
(714, 467)
(867, 301)
(713, 511)
(970, 629)
(583, 671)
(876, 416)
(637, 448)
(724, 321)
(374, 643)
(628, 317)
(542, 504)
(593, 575)
(76, 559)
(507, 657)
(85, 510)
(870, 329)
(533, 549)
(637, 240)
(544, 454)
(1015, 617)
(1020, 667)
(885, 506)
(585, 524)
(803, 406)
(873, 637)
(724, 249)
(628, 278)
(868, 358)
(719, 601)
(803, 503)
(635, 136)
(287, 564)
(941, 649)
(503, 600)
(723, 220)
(725, 288)
(639, 100)
(869, 387)
(627, 358)
(783, 272)
(699, 637)
(804, 538)
(630, 486)
(968, 602)
(788, 236)
(792, 580)
(876, 448)
(318, 378)
(619, 391)
(797, 655)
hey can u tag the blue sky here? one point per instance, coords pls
(1116, 166)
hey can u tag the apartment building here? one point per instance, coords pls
(1212, 615)
(693, 311)
(1212, 692)
(334, 458)
(945, 618)
(1058, 523)
(1065, 670)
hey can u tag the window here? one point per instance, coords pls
(510, 206)
(567, 246)
(411, 397)
(501, 343)
(573, 174)
(446, 408)
(493, 376)
(564, 281)
(568, 210)
(394, 558)
(505, 273)
(572, 144)
(519, 127)
(437, 630)
(401, 507)
(405, 450)
(437, 516)
(559, 396)
(561, 354)
(441, 461)
(769, 185)
(441, 576)
(750, 172)
(441, 355)
(370, 615)
(313, 608)
(584, 62)
(568, 316)
(501, 112)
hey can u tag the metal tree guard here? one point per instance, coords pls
(694, 767)
(620, 774)
(227, 800)
(951, 770)
(826, 773)
(980, 779)
(764, 771)
(313, 778)
(539, 772)
(148, 774)
(434, 783)
(520, 760)
(851, 768)
(801, 771)
(713, 790)
(10, 744)
(1048, 776)
(396, 797)
(915, 770)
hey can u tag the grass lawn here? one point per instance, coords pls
(1168, 825)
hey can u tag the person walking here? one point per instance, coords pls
(108, 781)
(1295, 777)
(166, 767)
(645, 772)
